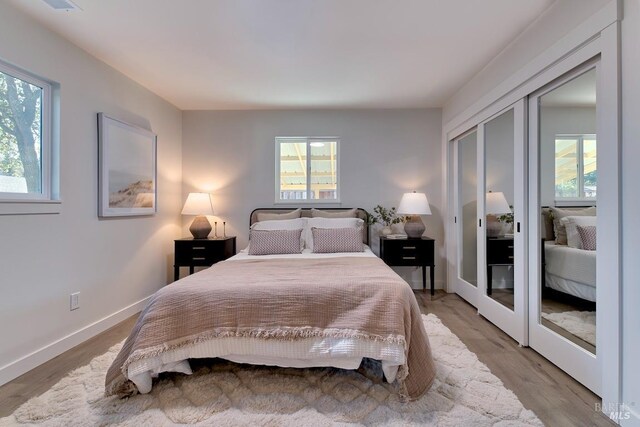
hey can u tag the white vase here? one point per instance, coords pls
(386, 230)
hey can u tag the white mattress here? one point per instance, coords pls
(572, 264)
(343, 353)
(570, 270)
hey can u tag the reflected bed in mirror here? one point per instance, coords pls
(569, 292)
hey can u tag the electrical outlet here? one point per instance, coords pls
(75, 301)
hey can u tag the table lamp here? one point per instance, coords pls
(495, 204)
(199, 204)
(414, 204)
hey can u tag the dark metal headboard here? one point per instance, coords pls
(306, 213)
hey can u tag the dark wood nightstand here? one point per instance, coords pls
(190, 252)
(499, 252)
(410, 252)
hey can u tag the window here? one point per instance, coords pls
(576, 172)
(307, 169)
(25, 141)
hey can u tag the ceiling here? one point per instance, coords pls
(280, 54)
(579, 92)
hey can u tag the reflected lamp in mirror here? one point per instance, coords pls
(496, 204)
(414, 204)
(199, 204)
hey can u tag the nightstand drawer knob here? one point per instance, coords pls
(199, 259)
(199, 248)
(408, 247)
(510, 256)
(408, 257)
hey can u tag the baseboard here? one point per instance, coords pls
(633, 420)
(48, 352)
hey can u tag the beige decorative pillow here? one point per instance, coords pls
(588, 235)
(317, 213)
(266, 216)
(558, 227)
(335, 240)
(275, 242)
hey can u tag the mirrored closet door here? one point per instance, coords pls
(563, 298)
(465, 177)
(501, 236)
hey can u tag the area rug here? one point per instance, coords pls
(580, 323)
(219, 393)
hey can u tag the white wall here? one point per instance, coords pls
(44, 258)
(630, 208)
(384, 153)
(557, 21)
(556, 121)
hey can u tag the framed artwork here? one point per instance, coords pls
(127, 169)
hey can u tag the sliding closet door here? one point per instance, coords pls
(565, 281)
(501, 234)
(464, 157)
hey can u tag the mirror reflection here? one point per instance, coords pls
(468, 202)
(568, 183)
(499, 197)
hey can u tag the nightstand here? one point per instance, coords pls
(190, 252)
(499, 252)
(410, 252)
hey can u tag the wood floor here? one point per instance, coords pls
(555, 397)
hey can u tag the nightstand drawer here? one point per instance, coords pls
(408, 257)
(410, 252)
(196, 255)
(499, 251)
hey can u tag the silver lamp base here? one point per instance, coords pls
(200, 227)
(414, 227)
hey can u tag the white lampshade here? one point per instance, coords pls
(414, 204)
(496, 204)
(198, 204)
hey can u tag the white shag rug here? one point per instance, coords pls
(464, 393)
(580, 323)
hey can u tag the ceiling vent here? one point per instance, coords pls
(62, 5)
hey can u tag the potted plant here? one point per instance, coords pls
(385, 217)
(507, 219)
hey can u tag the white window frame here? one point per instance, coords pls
(46, 114)
(568, 201)
(309, 140)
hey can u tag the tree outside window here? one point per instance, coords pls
(20, 135)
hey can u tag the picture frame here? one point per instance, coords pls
(127, 184)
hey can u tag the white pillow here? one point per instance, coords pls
(571, 224)
(284, 224)
(319, 222)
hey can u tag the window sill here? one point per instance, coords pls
(30, 207)
(574, 202)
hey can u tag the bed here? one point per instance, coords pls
(568, 267)
(293, 310)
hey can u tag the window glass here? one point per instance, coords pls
(576, 173)
(324, 180)
(589, 160)
(566, 168)
(21, 137)
(307, 169)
